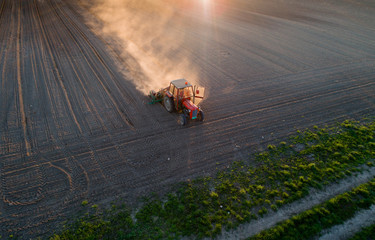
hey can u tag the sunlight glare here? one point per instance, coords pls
(206, 7)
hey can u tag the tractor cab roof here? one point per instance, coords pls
(181, 83)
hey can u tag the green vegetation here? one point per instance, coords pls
(247, 190)
(115, 223)
(313, 221)
(367, 233)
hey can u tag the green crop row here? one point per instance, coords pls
(367, 233)
(245, 191)
(335, 211)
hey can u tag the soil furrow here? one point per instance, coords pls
(69, 94)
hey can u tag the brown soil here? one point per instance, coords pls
(75, 124)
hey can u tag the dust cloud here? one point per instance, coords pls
(151, 38)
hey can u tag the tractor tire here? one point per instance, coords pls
(182, 120)
(200, 116)
(168, 104)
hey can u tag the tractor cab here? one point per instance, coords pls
(181, 90)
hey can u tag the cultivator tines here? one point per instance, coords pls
(155, 97)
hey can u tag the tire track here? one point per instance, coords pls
(2, 9)
(316, 89)
(6, 37)
(52, 131)
(120, 112)
(98, 171)
(57, 73)
(19, 81)
(148, 141)
(43, 217)
(285, 103)
(83, 135)
(77, 171)
(22, 187)
(90, 105)
(4, 29)
(15, 13)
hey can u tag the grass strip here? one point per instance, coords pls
(246, 190)
(367, 233)
(335, 211)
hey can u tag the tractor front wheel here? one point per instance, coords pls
(182, 120)
(168, 104)
(200, 116)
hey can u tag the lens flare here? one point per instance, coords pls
(206, 7)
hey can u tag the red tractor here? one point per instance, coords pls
(181, 97)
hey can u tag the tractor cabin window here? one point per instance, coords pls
(171, 89)
(188, 92)
(175, 91)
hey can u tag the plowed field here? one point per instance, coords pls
(74, 126)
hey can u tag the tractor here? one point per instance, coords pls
(181, 97)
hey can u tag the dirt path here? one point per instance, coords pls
(346, 230)
(74, 124)
(314, 198)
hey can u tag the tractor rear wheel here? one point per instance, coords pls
(168, 104)
(182, 120)
(200, 116)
